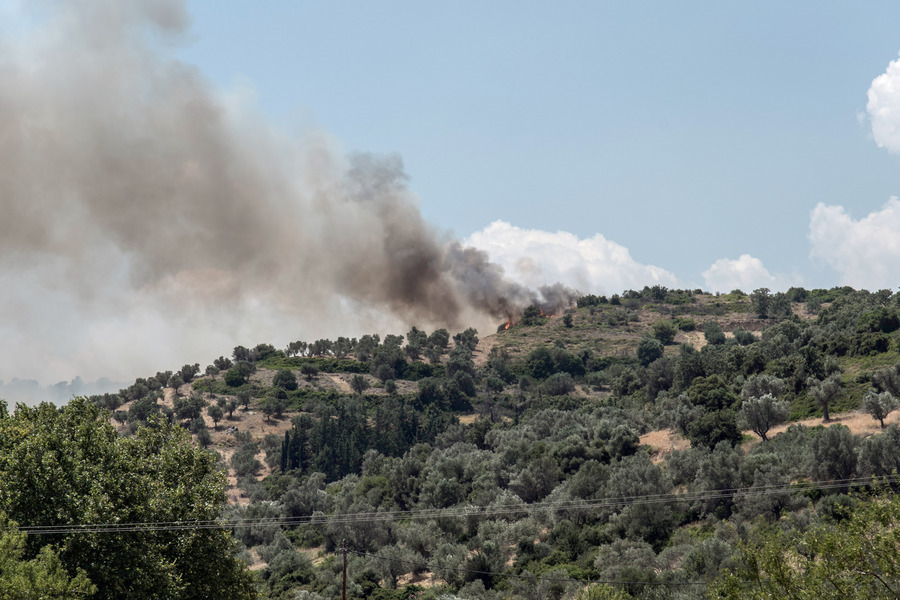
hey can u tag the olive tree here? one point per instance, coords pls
(879, 405)
(763, 413)
(825, 392)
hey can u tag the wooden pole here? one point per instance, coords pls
(344, 582)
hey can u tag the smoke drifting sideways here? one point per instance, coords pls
(151, 220)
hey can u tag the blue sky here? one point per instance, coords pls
(178, 177)
(685, 132)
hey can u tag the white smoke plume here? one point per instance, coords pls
(148, 220)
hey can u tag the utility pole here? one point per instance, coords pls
(344, 582)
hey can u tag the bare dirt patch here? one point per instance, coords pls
(483, 350)
(663, 442)
(859, 423)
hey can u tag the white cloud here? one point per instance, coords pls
(746, 273)
(883, 107)
(534, 258)
(865, 253)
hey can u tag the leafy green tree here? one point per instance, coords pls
(189, 408)
(309, 370)
(296, 348)
(857, 558)
(141, 410)
(888, 379)
(744, 338)
(712, 393)
(342, 347)
(540, 363)
(359, 384)
(879, 455)
(388, 361)
(65, 467)
(664, 330)
(824, 392)
(879, 405)
(204, 438)
(285, 379)
(244, 461)
(242, 354)
(189, 371)
(264, 351)
(234, 377)
(42, 577)
(632, 476)
(834, 454)
(416, 342)
(649, 349)
(216, 414)
(714, 427)
(677, 412)
(760, 300)
(366, 345)
(222, 363)
(273, 405)
(437, 345)
(763, 413)
(243, 398)
(713, 333)
(761, 384)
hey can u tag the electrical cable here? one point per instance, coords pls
(459, 512)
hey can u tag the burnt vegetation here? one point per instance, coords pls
(513, 467)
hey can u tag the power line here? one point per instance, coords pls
(457, 512)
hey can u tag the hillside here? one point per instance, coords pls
(632, 396)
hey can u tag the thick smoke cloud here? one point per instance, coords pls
(150, 220)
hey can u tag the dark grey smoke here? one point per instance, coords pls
(147, 215)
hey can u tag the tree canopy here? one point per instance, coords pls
(67, 467)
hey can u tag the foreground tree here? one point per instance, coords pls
(857, 557)
(66, 467)
(44, 576)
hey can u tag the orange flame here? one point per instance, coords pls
(508, 323)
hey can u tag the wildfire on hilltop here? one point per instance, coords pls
(530, 316)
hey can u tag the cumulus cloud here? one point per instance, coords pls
(532, 257)
(865, 252)
(745, 273)
(883, 107)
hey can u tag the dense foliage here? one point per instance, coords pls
(66, 468)
(453, 469)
